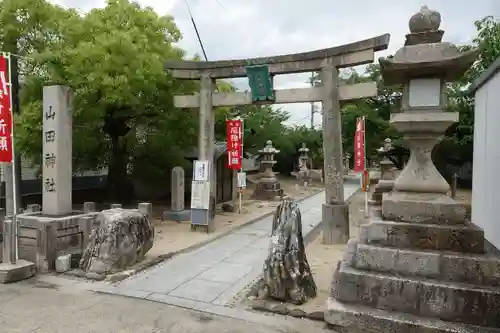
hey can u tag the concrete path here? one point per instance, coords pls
(214, 274)
(34, 306)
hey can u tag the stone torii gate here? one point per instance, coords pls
(260, 72)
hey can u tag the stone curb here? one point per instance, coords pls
(117, 277)
(282, 309)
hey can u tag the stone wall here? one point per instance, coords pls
(42, 239)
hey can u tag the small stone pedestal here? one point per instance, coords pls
(21, 270)
(420, 267)
(11, 268)
(268, 186)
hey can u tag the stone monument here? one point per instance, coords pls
(57, 151)
(58, 228)
(287, 275)
(177, 211)
(420, 267)
(386, 181)
(268, 186)
(104, 254)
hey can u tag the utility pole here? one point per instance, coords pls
(313, 109)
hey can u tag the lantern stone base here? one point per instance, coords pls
(19, 271)
(422, 208)
(268, 191)
(394, 280)
(350, 318)
(383, 186)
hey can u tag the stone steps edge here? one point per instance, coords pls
(343, 317)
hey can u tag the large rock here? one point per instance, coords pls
(287, 275)
(122, 238)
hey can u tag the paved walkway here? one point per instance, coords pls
(34, 306)
(215, 273)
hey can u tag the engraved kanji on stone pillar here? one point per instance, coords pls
(57, 150)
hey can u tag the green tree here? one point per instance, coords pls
(124, 117)
(487, 43)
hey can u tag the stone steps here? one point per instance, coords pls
(358, 318)
(455, 302)
(464, 238)
(473, 269)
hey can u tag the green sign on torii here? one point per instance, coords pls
(260, 82)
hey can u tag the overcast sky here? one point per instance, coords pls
(253, 28)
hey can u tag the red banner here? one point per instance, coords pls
(234, 140)
(5, 113)
(359, 145)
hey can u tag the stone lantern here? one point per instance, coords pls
(420, 267)
(423, 66)
(303, 160)
(386, 164)
(303, 157)
(386, 181)
(268, 186)
(347, 159)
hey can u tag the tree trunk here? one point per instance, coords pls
(116, 127)
(287, 275)
(118, 183)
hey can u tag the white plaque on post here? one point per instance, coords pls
(200, 192)
(57, 150)
(201, 170)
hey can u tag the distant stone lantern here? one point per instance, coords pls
(386, 164)
(386, 182)
(268, 187)
(303, 157)
(303, 160)
(423, 66)
(347, 159)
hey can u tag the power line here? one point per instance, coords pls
(220, 4)
(196, 30)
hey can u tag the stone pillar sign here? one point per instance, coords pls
(57, 150)
(177, 192)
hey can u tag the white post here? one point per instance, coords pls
(240, 204)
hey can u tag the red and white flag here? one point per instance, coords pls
(359, 145)
(6, 153)
(234, 141)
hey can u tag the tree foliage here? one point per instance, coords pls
(124, 118)
(457, 147)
